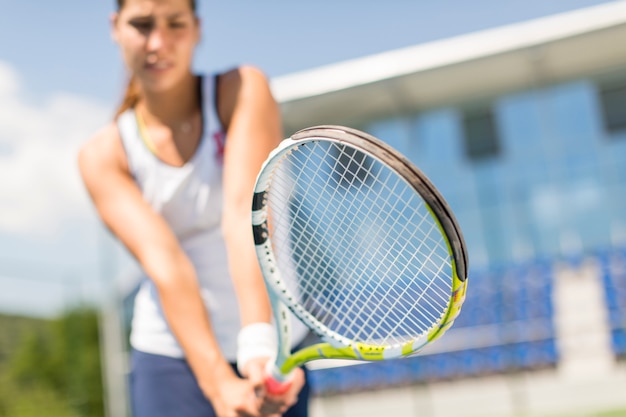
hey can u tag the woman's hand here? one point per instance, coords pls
(271, 404)
(230, 395)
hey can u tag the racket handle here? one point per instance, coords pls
(276, 387)
(275, 382)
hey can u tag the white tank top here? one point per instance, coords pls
(189, 198)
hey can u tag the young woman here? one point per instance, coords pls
(172, 178)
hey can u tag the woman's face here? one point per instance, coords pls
(157, 39)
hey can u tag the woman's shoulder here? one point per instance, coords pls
(244, 76)
(240, 87)
(102, 148)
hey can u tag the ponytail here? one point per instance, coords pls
(131, 97)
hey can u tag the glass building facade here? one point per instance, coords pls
(531, 174)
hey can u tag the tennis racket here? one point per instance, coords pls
(359, 245)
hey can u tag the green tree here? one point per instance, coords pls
(55, 365)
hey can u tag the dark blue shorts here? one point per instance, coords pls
(161, 386)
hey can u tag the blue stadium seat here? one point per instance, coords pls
(619, 341)
(517, 299)
(613, 267)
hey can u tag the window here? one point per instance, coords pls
(481, 138)
(352, 169)
(613, 101)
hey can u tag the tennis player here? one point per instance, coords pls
(172, 177)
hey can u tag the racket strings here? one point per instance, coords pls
(361, 297)
(390, 191)
(424, 327)
(367, 299)
(350, 247)
(390, 308)
(391, 260)
(373, 296)
(399, 295)
(399, 314)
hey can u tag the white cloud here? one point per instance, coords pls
(39, 182)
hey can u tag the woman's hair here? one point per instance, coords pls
(120, 4)
(131, 95)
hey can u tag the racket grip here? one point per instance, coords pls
(275, 382)
(276, 387)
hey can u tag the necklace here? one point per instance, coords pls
(143, 133)
(184, 128)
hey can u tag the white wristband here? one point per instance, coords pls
(256, 340)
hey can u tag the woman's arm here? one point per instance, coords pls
(252, 119)
(121, 206)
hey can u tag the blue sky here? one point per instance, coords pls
(60, 76)
(65, 45)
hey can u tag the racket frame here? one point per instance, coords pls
(336, 346)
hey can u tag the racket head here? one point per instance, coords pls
(359, 244)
